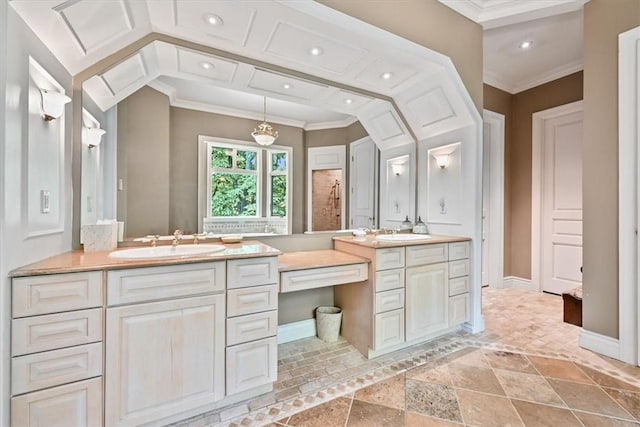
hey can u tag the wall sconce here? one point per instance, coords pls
(92, 137)
(53, 104)
(397, 168)
(442, 160)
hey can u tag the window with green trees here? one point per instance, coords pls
(235, 176)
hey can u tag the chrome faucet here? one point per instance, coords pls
(177, 236)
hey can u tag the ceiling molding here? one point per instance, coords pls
(554, 74)
(332, 125)
(550, 76)
(498, 13)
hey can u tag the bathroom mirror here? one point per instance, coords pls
(154, 114)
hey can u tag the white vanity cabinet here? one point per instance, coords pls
(57, 350)
(167, 356)
(414, 293)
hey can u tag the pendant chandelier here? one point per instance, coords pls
(264, 134)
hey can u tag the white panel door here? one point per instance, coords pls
(362, 184)
(562, 203)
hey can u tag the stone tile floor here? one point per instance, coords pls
(525, 369)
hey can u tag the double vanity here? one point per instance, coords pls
(107, 340)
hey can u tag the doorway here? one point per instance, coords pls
(325, 188)
(493, 200)
(556, 216)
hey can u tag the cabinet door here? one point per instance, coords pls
(389, 329)
(427, 300)
(76, 404)
(251, 365)
(458, 309)
(163, 358)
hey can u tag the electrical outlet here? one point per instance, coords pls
(120, 184)
(45, 196)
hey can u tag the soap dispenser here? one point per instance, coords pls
(420, 227)
(406, 224)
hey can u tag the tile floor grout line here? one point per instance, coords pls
(618, 403)
(346, 421)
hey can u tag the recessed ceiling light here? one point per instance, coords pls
(316, 51)
(527, 44)
(287, 86)
(348, 101)
(206, 65)
(386, 75)
(213, 19)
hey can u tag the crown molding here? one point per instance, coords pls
(174, 101)
(493, 14)
(564, 70)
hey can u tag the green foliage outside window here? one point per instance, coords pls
(233, 194)
(279, 195)
(234, 182)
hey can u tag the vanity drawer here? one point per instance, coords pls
(459, 285)
(56, 367)
(251, 365)
(458, 268)
(426, 254)
(252, 300)
(389, 279)
(389, 300)
(252, 327)
(56, 292)
(389, 258)
(54, 331)
(242, 273)
(324, 276)
(75, 404)
(158, 283)
(458, 250)
(458, 309)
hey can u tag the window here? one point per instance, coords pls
(235, 181)
(278, 194)
(245, 181)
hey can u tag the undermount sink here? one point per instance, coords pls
(402, 237)
(180, 251)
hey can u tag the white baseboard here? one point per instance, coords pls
(600, 344)
(296, 330)
(519, 283)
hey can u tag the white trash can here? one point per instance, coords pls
(328, 321)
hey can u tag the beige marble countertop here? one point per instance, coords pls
(371, 242)
(75, 261)
(291, 261)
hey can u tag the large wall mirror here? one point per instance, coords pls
(169, 146)
(328, 80)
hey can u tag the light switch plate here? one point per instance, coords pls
(45, 196)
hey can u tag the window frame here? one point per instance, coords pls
(263, 193)
(269, 173)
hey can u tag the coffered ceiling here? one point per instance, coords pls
(298, 53)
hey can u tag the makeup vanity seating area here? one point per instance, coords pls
(104, 341)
